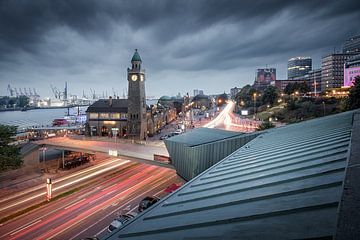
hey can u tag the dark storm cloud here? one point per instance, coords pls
(76, 38)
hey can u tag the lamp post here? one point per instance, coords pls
(323, 108)
(254, 106)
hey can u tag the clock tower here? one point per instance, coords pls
(136, 120)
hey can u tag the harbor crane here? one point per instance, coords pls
(16, 92)
(92, 93)
(10, 90)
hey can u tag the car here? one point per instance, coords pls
(179, 131)
(147, 202)
(164, 137)
(121, 220)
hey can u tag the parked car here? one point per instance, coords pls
(147, 202)
(121, 220)
(164, 137)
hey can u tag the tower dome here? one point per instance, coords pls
(136, 57)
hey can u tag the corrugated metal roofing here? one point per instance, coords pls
(285, 184)
(200, 136)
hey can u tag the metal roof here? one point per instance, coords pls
(103, 106)
(284, 184)
(200, 136)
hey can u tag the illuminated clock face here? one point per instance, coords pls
(142, 77)
(134, 77)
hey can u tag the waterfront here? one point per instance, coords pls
(36, 117)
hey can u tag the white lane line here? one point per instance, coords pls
(65, 185)
(43, 216)
(23, 228)
(126, 203)
(74, 203)
(104, 229)
(59, 180)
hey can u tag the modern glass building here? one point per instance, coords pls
(299, 66)
(352, 45)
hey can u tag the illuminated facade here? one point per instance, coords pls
(351, 70)
(299, 66)
(264, 77)
(332, 70)
(130, 117)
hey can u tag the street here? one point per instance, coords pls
(227, 120)
(89, 211)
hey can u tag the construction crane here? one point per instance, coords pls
(10, 90)
(55, 91)
(26, 94)
(35, 93)
(92, 93)
(16, 92)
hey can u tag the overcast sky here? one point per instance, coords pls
(184, 45)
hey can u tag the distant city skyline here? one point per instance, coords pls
(184, 45)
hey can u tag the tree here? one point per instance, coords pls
(299, 87)
(9, 155)
(270, 95)
(245, 95)
(354, 95)
(265, 125)
(23, 101)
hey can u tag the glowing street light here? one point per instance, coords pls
(254, 105)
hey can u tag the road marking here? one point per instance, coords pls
(65, 185)
(127, 202)
(58, 180)
(22, 228)
(75, 203)
(104, 229)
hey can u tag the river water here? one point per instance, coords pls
(36, 117)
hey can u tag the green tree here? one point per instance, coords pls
(354, 95)
(9, 155)
(265, 125)
(245, 95)
(23, 101)
(270, 95)
(296, 86)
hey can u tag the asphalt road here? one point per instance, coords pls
(227, 120)
(20, 200)
(89, 211)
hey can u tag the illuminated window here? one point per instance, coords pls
(103, 115)
(94, 116)
(115, 115)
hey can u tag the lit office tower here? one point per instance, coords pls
(352, 45)
(299, 66)
(332, 70)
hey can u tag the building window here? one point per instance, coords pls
(94, 116)
(104, 115)
(115, 115)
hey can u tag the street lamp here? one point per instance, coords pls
(254, 105)
(323, 108)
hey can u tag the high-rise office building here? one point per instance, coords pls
(299, 66)
(352, 45)
(264, 77)
(332, 70)
(351, 70)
